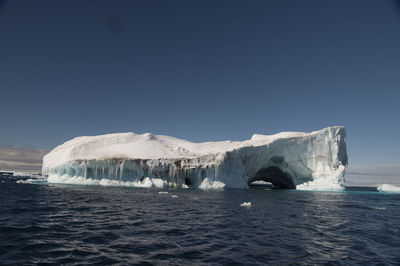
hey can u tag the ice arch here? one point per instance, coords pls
(274, 175)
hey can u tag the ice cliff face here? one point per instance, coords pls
(313, 160)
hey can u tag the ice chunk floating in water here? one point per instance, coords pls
(315, 160)
(388, 188)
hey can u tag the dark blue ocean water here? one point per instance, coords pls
(56, 224)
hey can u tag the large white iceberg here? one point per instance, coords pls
(315, 160)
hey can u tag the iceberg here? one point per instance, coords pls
(388, 188)
(308, 161)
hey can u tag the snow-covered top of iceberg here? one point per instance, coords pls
(150, 146)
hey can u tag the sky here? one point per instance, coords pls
(201, 70)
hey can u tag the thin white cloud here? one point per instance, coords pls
(21, 159)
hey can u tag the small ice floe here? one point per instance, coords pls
(162, 192)
(387, 188)
(245, 204)
(27, 181)
(174, 196)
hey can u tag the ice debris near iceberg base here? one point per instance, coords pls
(309, 161)
(388, 188)
(245, 204)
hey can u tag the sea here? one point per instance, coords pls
(49, 224)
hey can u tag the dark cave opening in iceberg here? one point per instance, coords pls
(275, 176)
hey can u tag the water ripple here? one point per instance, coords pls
(41, 224)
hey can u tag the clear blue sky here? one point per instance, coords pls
(201, 70)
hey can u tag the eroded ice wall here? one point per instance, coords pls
(288, 160)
